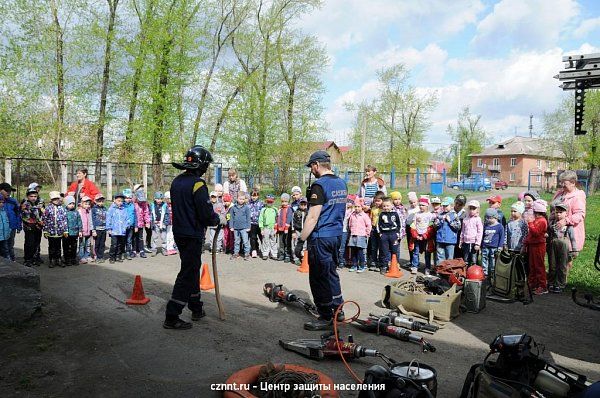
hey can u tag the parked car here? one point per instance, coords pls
(472, 184)
(498, 183)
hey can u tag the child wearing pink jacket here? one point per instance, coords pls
(142, 219)
(85, 211)
(359, 229)
(471, 233)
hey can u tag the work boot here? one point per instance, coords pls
(196, 316)
(39, 260)
(319, 324)
(67, 262)
(75, 262)
(59, 263)
(51, 263)
(127, 256)
(120, 258)
(143, 254)
(177, 324)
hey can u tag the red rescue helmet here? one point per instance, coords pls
(475, 272)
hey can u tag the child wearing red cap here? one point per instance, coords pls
(495, 202)
(535, 246)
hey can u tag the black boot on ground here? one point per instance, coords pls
(59, 263)
(177, 324)
(319, 324)
(196, 316)
(51, 263)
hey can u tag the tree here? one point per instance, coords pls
(112, 12)
(559, 133)
(591, 140)
(469, 137)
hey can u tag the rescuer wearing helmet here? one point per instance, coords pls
(192, 213)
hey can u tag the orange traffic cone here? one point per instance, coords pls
(137, 296)
(304, 265)
(394, 271)
(206, 282)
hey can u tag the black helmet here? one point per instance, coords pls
(197, 157)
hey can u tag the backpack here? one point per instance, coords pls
(510, 279)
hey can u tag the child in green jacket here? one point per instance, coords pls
(266, 222)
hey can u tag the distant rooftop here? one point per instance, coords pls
(521, 146)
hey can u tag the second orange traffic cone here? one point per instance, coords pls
(304, 264)
(137, 296)
(394, 271)
(206, 282)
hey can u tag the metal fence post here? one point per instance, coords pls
(444, 178)
(218, 175)
(418, 178)
(145, 176)
(529, 180)
(109, 181)
(63, 177)
(393, 178)
(425, 176)
(8, 171)
(275, 178)
(407, 181)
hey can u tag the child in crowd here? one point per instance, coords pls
(401, 211)
(298, 222)
(219, 192)
(285, 217)
(219, 209)
(296, 196)
(171, 246)
(359, 228)
(516, 229)
(116, 226)
(459, 208)
(99, 227)
(158, 212)
(535, 246)
(492, 242)
(413, 208)
(495, 202)
(55, 228)
(255, 205)
(471, 234)
(239, 223)
(131, 224)
(349, 210)
(4, 229)
(422, 234)
(388, 227)
(227, 231)
(142, 216)
(31, 215)
(267, 220)
(373, 242)
(74, 231)
(528, 198)
(562, 249)
(13, 212)
(436, 205)
(447, 225)
(85, 212)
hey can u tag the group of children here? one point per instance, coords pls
(254, 228)
(76, 232)
(435, 228)
(452, 228)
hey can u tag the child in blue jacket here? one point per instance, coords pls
(116, 227)
(131, 224)
(74, 231)
(4, 229)
(447, 225)
(13, 212)
(239, 222)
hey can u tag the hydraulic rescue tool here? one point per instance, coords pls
(408, 323)
(590, 303)
(327, 346)
(384, 326)
(277, 294)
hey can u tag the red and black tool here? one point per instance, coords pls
(327, 346)
(278, 294)
(384, 326)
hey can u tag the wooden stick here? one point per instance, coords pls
(216, 274)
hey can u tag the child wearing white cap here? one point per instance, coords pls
(516, 229)
(471, 233)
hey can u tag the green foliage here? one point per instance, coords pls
(469, 137)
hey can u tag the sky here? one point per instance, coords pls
(497, 57)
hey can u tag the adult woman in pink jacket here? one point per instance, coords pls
(359, 229)
(576, 199)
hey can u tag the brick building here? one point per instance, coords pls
(512, 161)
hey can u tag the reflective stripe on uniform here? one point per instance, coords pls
(178, 301)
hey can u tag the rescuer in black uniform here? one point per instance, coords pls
(192, 213)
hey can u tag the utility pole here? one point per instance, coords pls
(530, 126)
(363, 141)
(458, 155)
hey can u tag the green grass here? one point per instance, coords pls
(584, 276)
